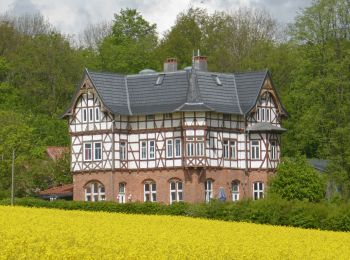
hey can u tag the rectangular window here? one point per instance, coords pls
(87, 152)
(91, 115)
(177, 147)
(84, 115)
(233, 149)
(175, 191)
(258, 190)
(263, 115)
(98, 151)
(208, 187)
(97, 114)
(268, 114)
(143, 150)
(199, 146)
(258, 115)
(169, 148)
(121, 195)
(225, 151)
(190, 146)
(273, 150)
(255, 150)
(122, 151)
(151, 147)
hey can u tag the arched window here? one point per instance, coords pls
(122, 191)
(208, 187)
(95, 191)
(176, 190)
(235, 190)
(150, 191)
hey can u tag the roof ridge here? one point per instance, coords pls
(236, 92)
(127, 94)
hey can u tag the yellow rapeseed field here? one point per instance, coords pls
(27, 233)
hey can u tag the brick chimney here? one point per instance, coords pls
(200, 63)
(170, 65)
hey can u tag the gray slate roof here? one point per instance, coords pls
(265, 127)
(183, 90)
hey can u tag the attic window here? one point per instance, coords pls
(160, 80)
(217, 80)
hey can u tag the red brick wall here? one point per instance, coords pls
(193, 183)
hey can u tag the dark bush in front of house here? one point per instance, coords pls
(273, 211)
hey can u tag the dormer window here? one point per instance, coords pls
(160, 79)
(217, 80)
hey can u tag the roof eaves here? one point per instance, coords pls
(236, 92)
(127, 94)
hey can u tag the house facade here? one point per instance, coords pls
(176, 135)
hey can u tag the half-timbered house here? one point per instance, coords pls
(176, 135)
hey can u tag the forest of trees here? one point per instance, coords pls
(309, 61)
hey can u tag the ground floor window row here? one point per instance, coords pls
(95, 191)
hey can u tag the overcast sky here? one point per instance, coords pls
(71, 16)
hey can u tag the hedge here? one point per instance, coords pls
(274, 211)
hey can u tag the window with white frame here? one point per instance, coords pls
(121, 193)
(85, 117)
(255, 149)
(190, 146)
(123, 151)
(95, 191)
(258, 114)
(263, 115)
(233, 149)
(143, 150)
(169, 148)
(151, 149)
(225, 151)
(200, 146)
(178, 147)
(176, 191)
(273, 150)
(268, 114)
(235, 190)
(91, 114)
(97, 114)
(150, 191)
(87, 151)
(258, 190)
(97, 151)
(208, 187)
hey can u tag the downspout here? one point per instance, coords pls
(113, 158)
(246, 155)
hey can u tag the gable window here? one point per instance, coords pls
(235, 190)
(258, 190)
(255, 150)
(160, 79)
(225, 149)
(98, 151)
(190, 146)
(143, 150)
(208, 187)
(150, 191)
(87, 151)
(95, 191)
(84, 115)
(91, 115)
(176, 192)
(97, 114)
(122, 150)
(273, 150)
(200, 146)
(150, 117)
(121, 194)
(151, 148)
(178, 147)
(169, 148)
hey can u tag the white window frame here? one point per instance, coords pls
(97, 114)
(91, 149)
(99, 193)
(199, 147)
(169, 148)
(95, 153)
(208, 189)
(143, 150)
(258, 190)
(151, 192)
(177, 191)
(262, 114)
(233, 150)
(225, 149)
(122, 151)
(273, 150)
(91, 114)
(258, 114)
(122, 192)
(255, 150)
(177, 148)
(84, 115)
(268, 114)
(235, 190)
(151, 149)
(190, 147)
